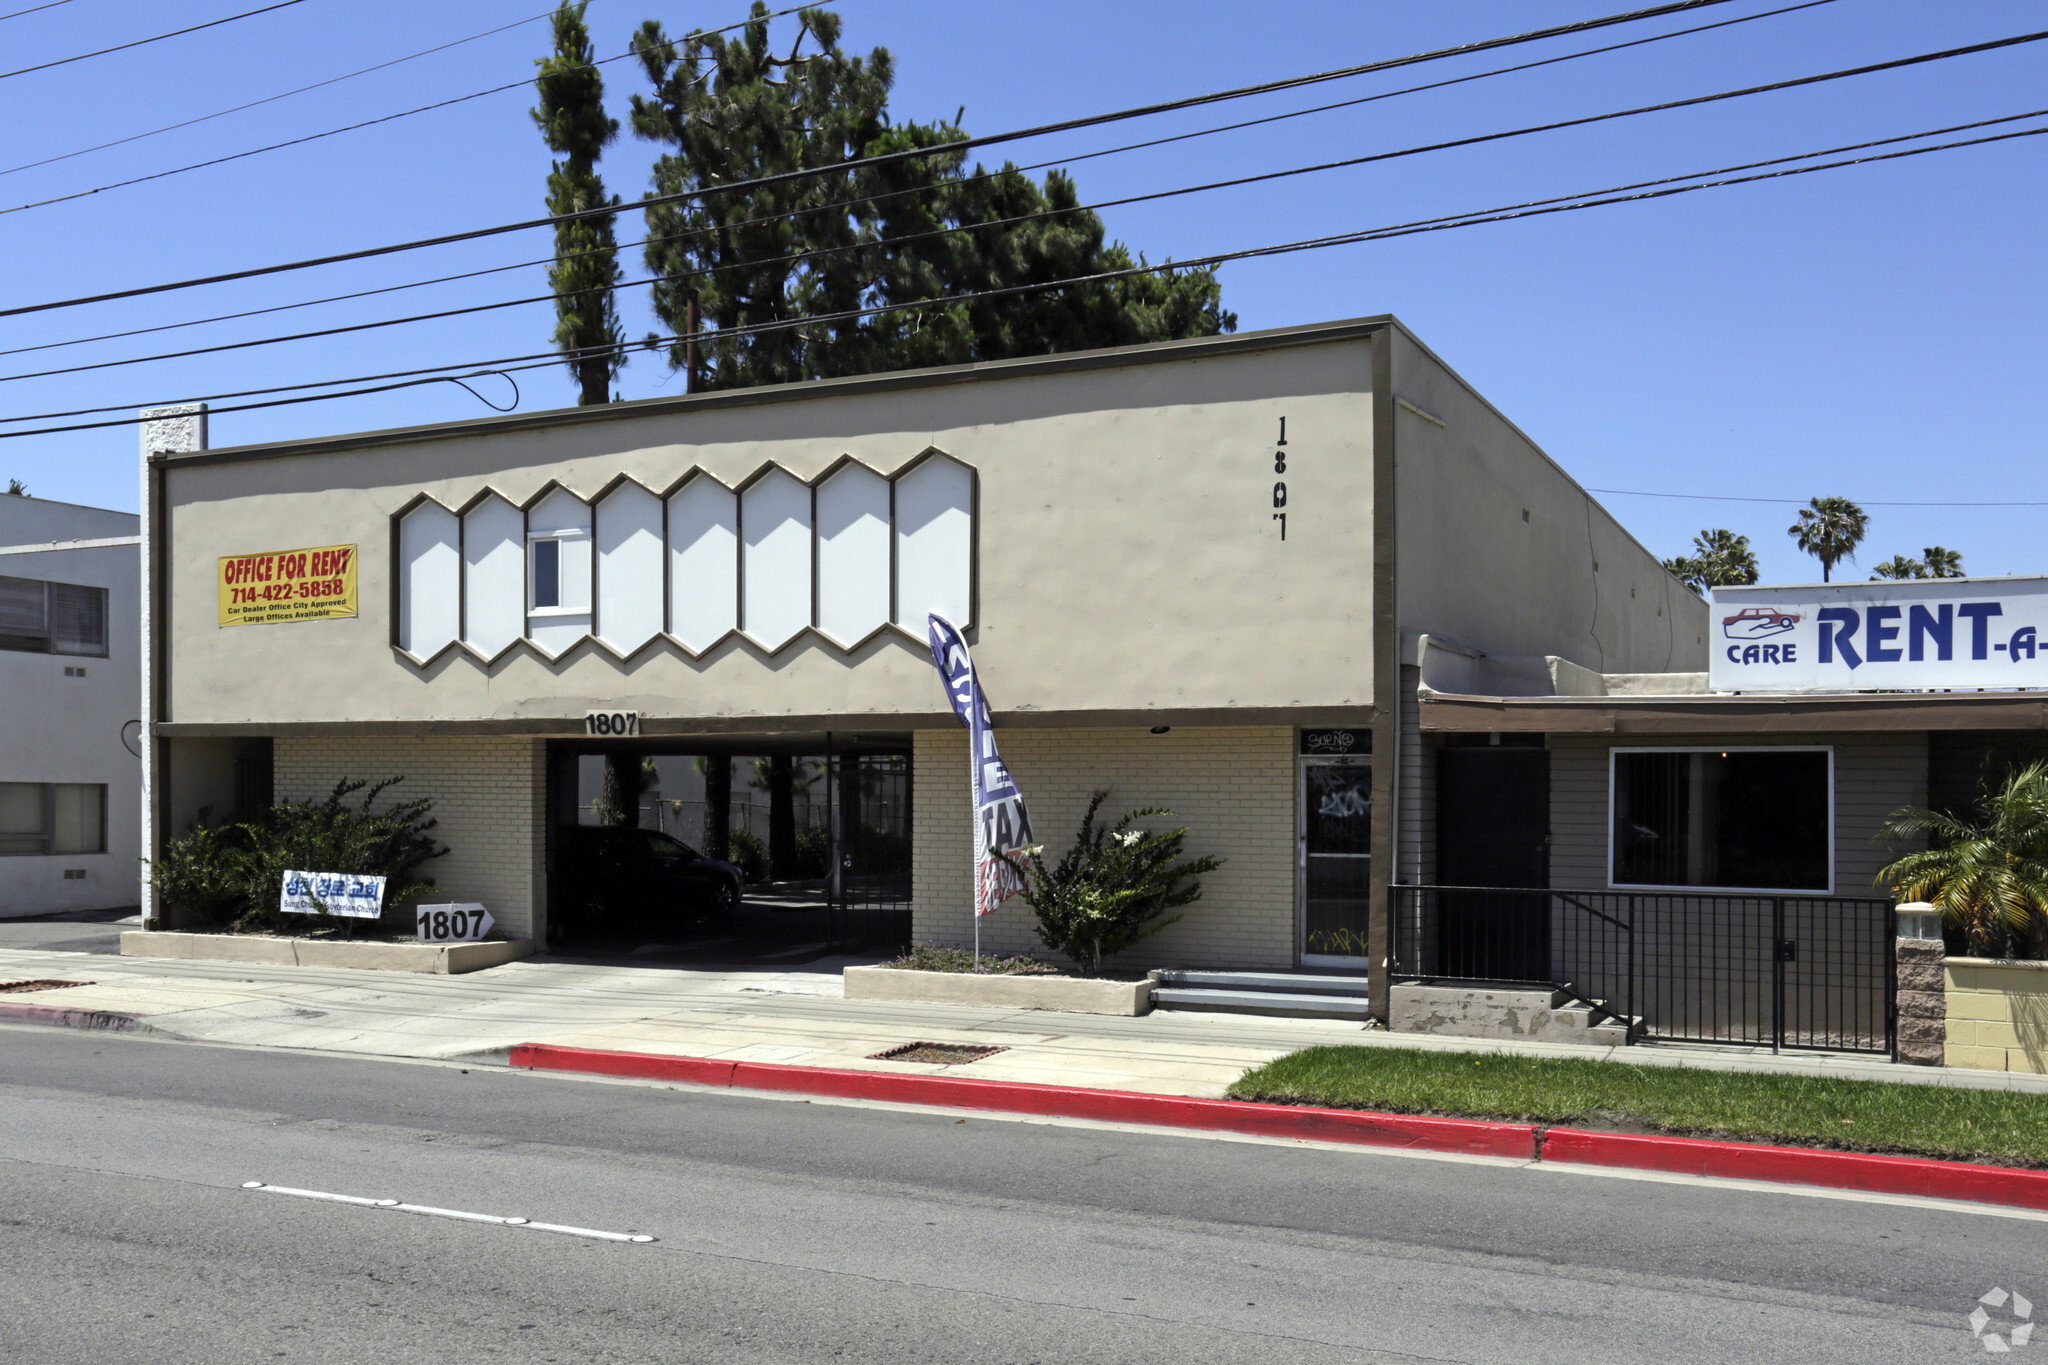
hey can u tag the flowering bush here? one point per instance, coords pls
(1112, 887)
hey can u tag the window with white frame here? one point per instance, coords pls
(1753, 819)
(558, 573)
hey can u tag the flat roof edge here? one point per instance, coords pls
(1148, 353)
(1723, 713)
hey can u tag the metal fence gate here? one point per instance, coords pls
(1788, 971)
(870, 881)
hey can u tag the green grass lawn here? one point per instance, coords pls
(1879, 1116)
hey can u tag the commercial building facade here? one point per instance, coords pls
(1200, 575)
(70, 742)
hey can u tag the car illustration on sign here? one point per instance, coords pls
(1754, 623)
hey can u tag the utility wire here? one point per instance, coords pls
(937, 149)
(1710, 497)
(898, 194)
(143, 42)
(1014, 220)
(32, 9)
(346, 128)
(268, 99)
(543, 359)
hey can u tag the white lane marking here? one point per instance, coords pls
(432, 1212)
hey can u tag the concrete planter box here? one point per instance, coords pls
(1997, 1014)
(1072, 994)
(438, 958)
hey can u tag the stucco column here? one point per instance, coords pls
(163, 431)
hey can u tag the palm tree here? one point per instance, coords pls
(1899, 567)
(1986, 869)
(1725, 559)
(1942, 563)
(1829, 529)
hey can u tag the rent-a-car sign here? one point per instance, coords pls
(1864, 637)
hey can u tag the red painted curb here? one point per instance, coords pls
(1802, 1166)
(1467, 1136)
(57, 1014)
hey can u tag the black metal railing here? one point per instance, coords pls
(1788, 971)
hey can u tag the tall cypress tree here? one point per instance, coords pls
(573, 123)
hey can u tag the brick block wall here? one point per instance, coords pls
(1997, 1014)
(1232, 787)
(489, 800)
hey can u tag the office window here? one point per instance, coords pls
(1757, 819)
(52, 618)
(547, 573)
(42, 818)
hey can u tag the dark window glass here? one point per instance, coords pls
(1750, 819)
(547, 573)
(78, 620)
(52, 618)
(24, 615)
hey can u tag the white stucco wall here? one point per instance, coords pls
(59, 728)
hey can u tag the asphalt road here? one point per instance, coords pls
(797, 1232)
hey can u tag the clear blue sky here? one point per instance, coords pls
(1873, 332)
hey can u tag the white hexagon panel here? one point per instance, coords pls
(629, 550)
(429, 579)
(853, 554)
(934, 526)
(558, 572)
(703, 563)
(493, 576)
(775, 558)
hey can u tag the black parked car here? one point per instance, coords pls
(640, 878)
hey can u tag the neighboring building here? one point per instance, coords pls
(71, 678)
(1719, 830)
(1196, 574)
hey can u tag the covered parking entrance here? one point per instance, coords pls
(739, 849)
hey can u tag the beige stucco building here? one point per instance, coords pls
(1203, 575)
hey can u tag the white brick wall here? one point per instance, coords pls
(1233, 788)
(488, 795)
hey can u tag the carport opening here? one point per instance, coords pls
(693, 854)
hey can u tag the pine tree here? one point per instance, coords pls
(861, 237)
(574, 125)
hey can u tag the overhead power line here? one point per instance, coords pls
(33, 9)
(1795, 502)
(937, 149)
(345, 128)
(966, 228)
(543, 359)
(143, 42)
(269, 99)
(904, 193)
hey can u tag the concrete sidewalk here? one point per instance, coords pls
(797, 1016)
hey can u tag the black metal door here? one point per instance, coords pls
(870, 885)
(1493, 830)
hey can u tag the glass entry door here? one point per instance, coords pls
(1336, 860)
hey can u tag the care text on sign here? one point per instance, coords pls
(288, 585)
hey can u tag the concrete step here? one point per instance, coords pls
(1284, 983)
(1294, 1005)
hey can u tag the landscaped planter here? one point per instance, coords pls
(1073, 994)
(437, 958)
(1997, 1014)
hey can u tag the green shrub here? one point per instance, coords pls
(749, 854)
(230, 876)
(813, 853)
(1112, 886)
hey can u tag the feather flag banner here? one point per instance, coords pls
(1001, 824)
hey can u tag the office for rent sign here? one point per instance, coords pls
(288, 585)
(1964, 633)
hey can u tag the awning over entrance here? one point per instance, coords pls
(1736, 714)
